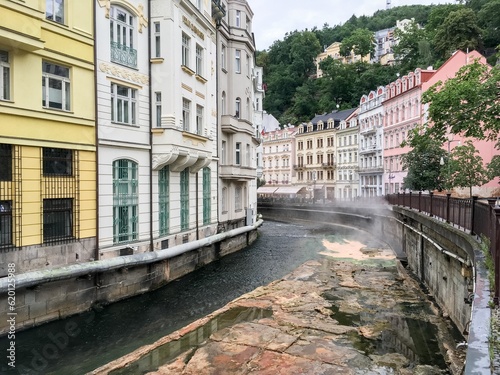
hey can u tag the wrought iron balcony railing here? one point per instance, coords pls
(124, 55)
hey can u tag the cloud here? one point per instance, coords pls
(274, 18)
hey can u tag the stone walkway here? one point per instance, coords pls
(333, 316)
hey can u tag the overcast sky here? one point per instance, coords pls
(274, 18)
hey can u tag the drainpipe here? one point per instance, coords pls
(197, 210)
(217, 25)
(150, 136)
(96, 128)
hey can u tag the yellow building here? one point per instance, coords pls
(333, 51)
(47, 134)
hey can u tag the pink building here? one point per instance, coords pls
(486, 149)
(402, 112)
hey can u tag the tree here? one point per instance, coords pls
(361, 42)
(423, 162)
(467, 105)
(413, 49)
(466, 167)
(459, 30)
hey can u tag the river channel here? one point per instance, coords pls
(84, 342)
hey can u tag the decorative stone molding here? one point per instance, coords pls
(138, 11)
(123, 73)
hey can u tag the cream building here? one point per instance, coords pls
(316, 149)
(278, 157)
(239, 137)
(47, 134)
(347, 186)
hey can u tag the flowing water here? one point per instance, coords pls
(84, 342)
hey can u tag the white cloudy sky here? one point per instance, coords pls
(273, 18)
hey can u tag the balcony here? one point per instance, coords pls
(368, 150)
(329, 165)
(237, 172)
(298, 166)
(123, 55)
(368, 130)
(371, 170)
(232, 125)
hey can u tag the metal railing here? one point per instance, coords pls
(124, 55)
(479, 217)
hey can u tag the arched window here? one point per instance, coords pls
(122, 36)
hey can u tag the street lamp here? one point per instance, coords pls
(314, 187)
(441, 161)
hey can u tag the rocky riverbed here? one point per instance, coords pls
(354, 311)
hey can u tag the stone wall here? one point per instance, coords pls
(58, 299)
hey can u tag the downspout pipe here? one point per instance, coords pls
(151, 245)
(96, 140)
(34, 278)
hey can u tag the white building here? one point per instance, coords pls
(123, 120)
(347, 184)
(184, 122)
(239, 137)
(258, 114)
(371, 116)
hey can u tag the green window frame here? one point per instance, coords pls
(185, 199)
(164, 200)
(125, 201)
(206, 196)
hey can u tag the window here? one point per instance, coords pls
(5, 162)
(5, 223)
(199, 119)
(238, 107)
(163, 200)
(122, 37)
(223, 153)
(186, 108)
(199, 60)
(238, 18)
(206, 196)
(55, 86)
(158, 109)
(248, 65)
(185, 199)
(223, 103)
(257, 104)
(157, 40)
(224, 200)
(57, 220)
(125, 201)
(237, 55)
(123, 104)
(186, 40)
(57, 162)
(223, 57)
(54, 10)
(238, 153)
(247, 155)
(237, 199)
(4, 76)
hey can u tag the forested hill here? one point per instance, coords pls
(293, 96)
